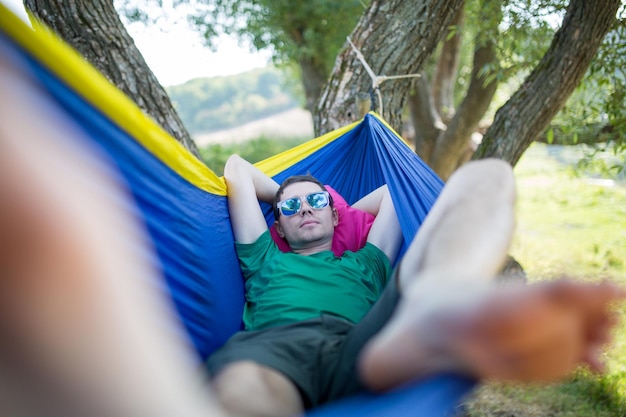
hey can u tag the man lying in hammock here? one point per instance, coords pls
(84, 332)
(311, 336)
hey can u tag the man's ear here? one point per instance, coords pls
(279, 229)
(335, 217)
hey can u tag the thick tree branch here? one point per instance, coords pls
(452, 145)
(447, 65)
(313, 78)
(547, 88)
(425, 118)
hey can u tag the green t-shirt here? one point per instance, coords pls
(283, 288)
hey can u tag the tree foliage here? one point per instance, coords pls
(302, 34)
(309, 29)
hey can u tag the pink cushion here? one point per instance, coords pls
(350, 233)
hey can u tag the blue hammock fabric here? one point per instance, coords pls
(185, 210)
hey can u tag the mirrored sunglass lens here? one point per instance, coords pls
(317, 200)
(290, 207)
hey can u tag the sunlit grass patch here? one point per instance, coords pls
(566, 226)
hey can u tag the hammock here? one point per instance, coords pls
(183, 203)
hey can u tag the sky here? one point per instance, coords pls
(175, 53)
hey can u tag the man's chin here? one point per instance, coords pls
(309, 239)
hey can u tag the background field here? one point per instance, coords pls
(575, 226)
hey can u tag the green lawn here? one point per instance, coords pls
(566, 226)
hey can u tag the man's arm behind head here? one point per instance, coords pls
(246, 185)
(386, 233)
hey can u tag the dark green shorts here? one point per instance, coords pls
(319, 355)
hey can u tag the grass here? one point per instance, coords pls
(567, 226)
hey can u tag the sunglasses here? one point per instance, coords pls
(317, 201)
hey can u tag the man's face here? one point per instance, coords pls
(309, 227)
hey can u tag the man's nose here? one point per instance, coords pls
(306, 208)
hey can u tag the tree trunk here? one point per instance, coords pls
(313, 79)
(425, 118)
(453, 145)
(396, 37)
(447, 65)
(94, 29)
(547, 88)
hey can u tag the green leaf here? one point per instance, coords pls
(550, 136)
(452, 31)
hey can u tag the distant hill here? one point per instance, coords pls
(295, 123)
(216, 103)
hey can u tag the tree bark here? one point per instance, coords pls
(447, 66)
(452, 148)
(94, 29)
(396, 37)
(313, 79)
(425, 118)
(529, 111)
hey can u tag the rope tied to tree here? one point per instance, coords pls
(377, 80)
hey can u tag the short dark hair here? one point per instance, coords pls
(292, 180)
